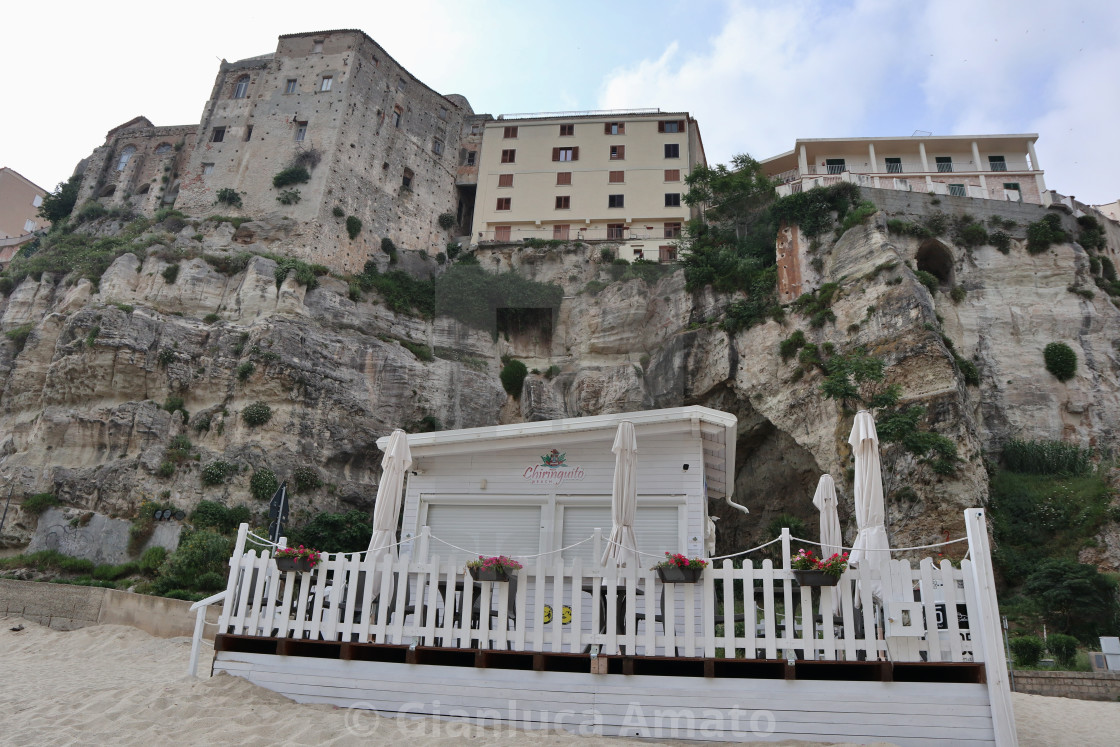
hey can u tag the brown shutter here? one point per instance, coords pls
(555, 154)
(661, 126)
(680, 125)
(606, 128)
(575, 153)
(621, 152)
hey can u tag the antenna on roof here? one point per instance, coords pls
(921, 132)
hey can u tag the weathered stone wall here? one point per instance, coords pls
(353, 127)
(150, 174)
(68, 607)
(1080, 685)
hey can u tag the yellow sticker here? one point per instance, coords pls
(547, 614)
(566, 615)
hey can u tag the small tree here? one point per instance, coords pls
(513, 377)
(1060, 360)
(60, 203)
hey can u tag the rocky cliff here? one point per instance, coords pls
(109, 375)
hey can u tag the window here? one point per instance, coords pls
(248, 133)
(615, 230)
(997, 163)
(406, 180)
(163, 148)
(563, 178)
(128, 152)
(672, 199)
(567, 130)
(894, 165)
(290, 86)
(443, 113)
(672, 150)
(614, 128)
(957, 190)
(667, 253)
(835, 165)
(241, 88)
(317, 46)
(616, 201)
(616, 177)
(218, 134)
(509, 132)
(639, 253)
(672, 175)
(672, 230)
(560, 231)
(327, 82)
(36, 201)
(504, 203)
(944, 164)
(565, 154)
(501, 233)
(28, 225)
(676, 125)
(301, 131)
(437, 147)
(563, 202)
(397, 112)
(1012, 191)
(401, 84)
(509, 155)
(207, 168)
(471, 157)
(476, 129)
(505, 180)
(618, 152)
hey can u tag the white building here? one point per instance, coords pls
(993, 167)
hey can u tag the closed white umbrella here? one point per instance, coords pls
(623, 545)
(394, 464)
(831, 539)
(871, 548)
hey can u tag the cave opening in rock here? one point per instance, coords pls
(774, 477)
(936, 259)
(533, 326)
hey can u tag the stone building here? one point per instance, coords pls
(377, 144)
(611, 176)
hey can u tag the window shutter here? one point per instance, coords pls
(507, 530)
(606, 128)
(575, 153)
(680, 125)
(555, 154)
(661, 127)
(621, 152)
(657, 529)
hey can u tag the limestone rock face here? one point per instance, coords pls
(109, 375)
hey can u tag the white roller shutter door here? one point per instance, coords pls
(486, 529)
(657, 529)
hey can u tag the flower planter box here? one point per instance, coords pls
(676, 575)
(293, 564)
(815, 578)
(492, 574)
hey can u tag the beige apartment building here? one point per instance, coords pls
(20, 199)
(993, 167)
(588, 176)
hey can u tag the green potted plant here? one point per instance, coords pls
(300, 558)
(677, 569)
(493, 568)
(810, 570)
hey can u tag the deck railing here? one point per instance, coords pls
(754, 611)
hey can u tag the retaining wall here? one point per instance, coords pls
(1080, 685)
(67, 607)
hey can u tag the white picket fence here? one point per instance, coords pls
(747, 612)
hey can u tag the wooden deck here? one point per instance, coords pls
(658, 697)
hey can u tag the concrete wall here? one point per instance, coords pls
(67, 607)
(1080, 685)
(100, 540)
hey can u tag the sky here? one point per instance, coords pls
(756, 75)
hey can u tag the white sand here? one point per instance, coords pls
(117, 685)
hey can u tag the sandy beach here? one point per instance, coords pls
(118, 685)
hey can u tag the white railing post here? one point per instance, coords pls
(988, 628)
(196, 641)
(425, 541)
(234, 574)
(785, 548)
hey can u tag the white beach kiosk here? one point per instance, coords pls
(577, 643)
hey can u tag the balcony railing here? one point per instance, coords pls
(634, 233)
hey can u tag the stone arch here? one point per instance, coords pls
(936, 259)
(125, 156)
(108, 191)
(143, 190)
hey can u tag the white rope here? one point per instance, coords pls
(892, 549)
(549, 552)
(269, 543)
(261, 540)
(631, 549)
(744, 552)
